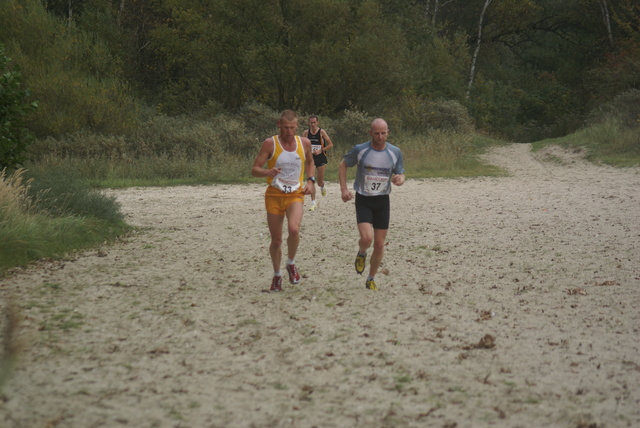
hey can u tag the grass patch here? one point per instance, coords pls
(44, 223)
(608, 142)
(150, 171)
(114, 163)
(447, 154)
(65, 320)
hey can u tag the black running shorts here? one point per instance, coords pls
(320, 160)
(374, 210)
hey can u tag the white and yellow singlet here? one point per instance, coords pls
(291, 164)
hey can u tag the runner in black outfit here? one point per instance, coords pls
(320, 143)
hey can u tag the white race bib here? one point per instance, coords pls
(375, 184)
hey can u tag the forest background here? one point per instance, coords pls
(523, 69)
(135, 92)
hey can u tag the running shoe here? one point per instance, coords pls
(360, 261)
(313, 207)
(323, 191)
(371, 285)
(276, 284)
(294, 276)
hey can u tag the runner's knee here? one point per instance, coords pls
(276, 242)
(294, 232)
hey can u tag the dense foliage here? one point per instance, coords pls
(14, 137)
(526, 69)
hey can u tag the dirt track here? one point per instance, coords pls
(510, 302)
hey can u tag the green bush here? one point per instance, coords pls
(59, 193)
(624, 108)
(14, 137)
(422, 115)
(174, 137)
(75, 76)
(81, 144)
(47, 215)
(260, 120)
(350, 129)
(185, 137)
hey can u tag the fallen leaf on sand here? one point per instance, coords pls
(486, 342)
(484, 316)
(607, 283)
(501, 413)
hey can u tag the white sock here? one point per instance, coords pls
(291, 261)
(277, 273)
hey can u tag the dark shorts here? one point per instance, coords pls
(374, 210)
(320, 160)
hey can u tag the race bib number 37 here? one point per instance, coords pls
(375, 184)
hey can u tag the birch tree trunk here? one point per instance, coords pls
(472, 72)
(606, 17)
(120, 11)
(435, 12)
(70, 15)
(427, 8)
(431, 13)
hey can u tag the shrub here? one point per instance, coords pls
(29, 230)
(421, 115)
(624, 108)
(177, 136)
(60, 193)
(260, 120)
(14, 137)
(352, 128)
(233, 136)
(75, 76)
(81, 144)
(13, 193)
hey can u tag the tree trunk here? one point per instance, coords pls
(120, 11)
(70, 16)
(431, 13)
(472, 72)
(435, 12)
(606, 17)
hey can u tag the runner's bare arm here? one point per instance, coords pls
(309, 165)
(342, 178)
(327, 143)
(266, 150)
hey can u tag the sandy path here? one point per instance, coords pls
(172, 328)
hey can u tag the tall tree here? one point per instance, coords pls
(474, 58)
(606, 19)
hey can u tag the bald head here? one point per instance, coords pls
(379, 122)
(379, 132)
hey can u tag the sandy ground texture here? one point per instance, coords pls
(508, 302)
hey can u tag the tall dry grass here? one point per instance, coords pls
(13, 193)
